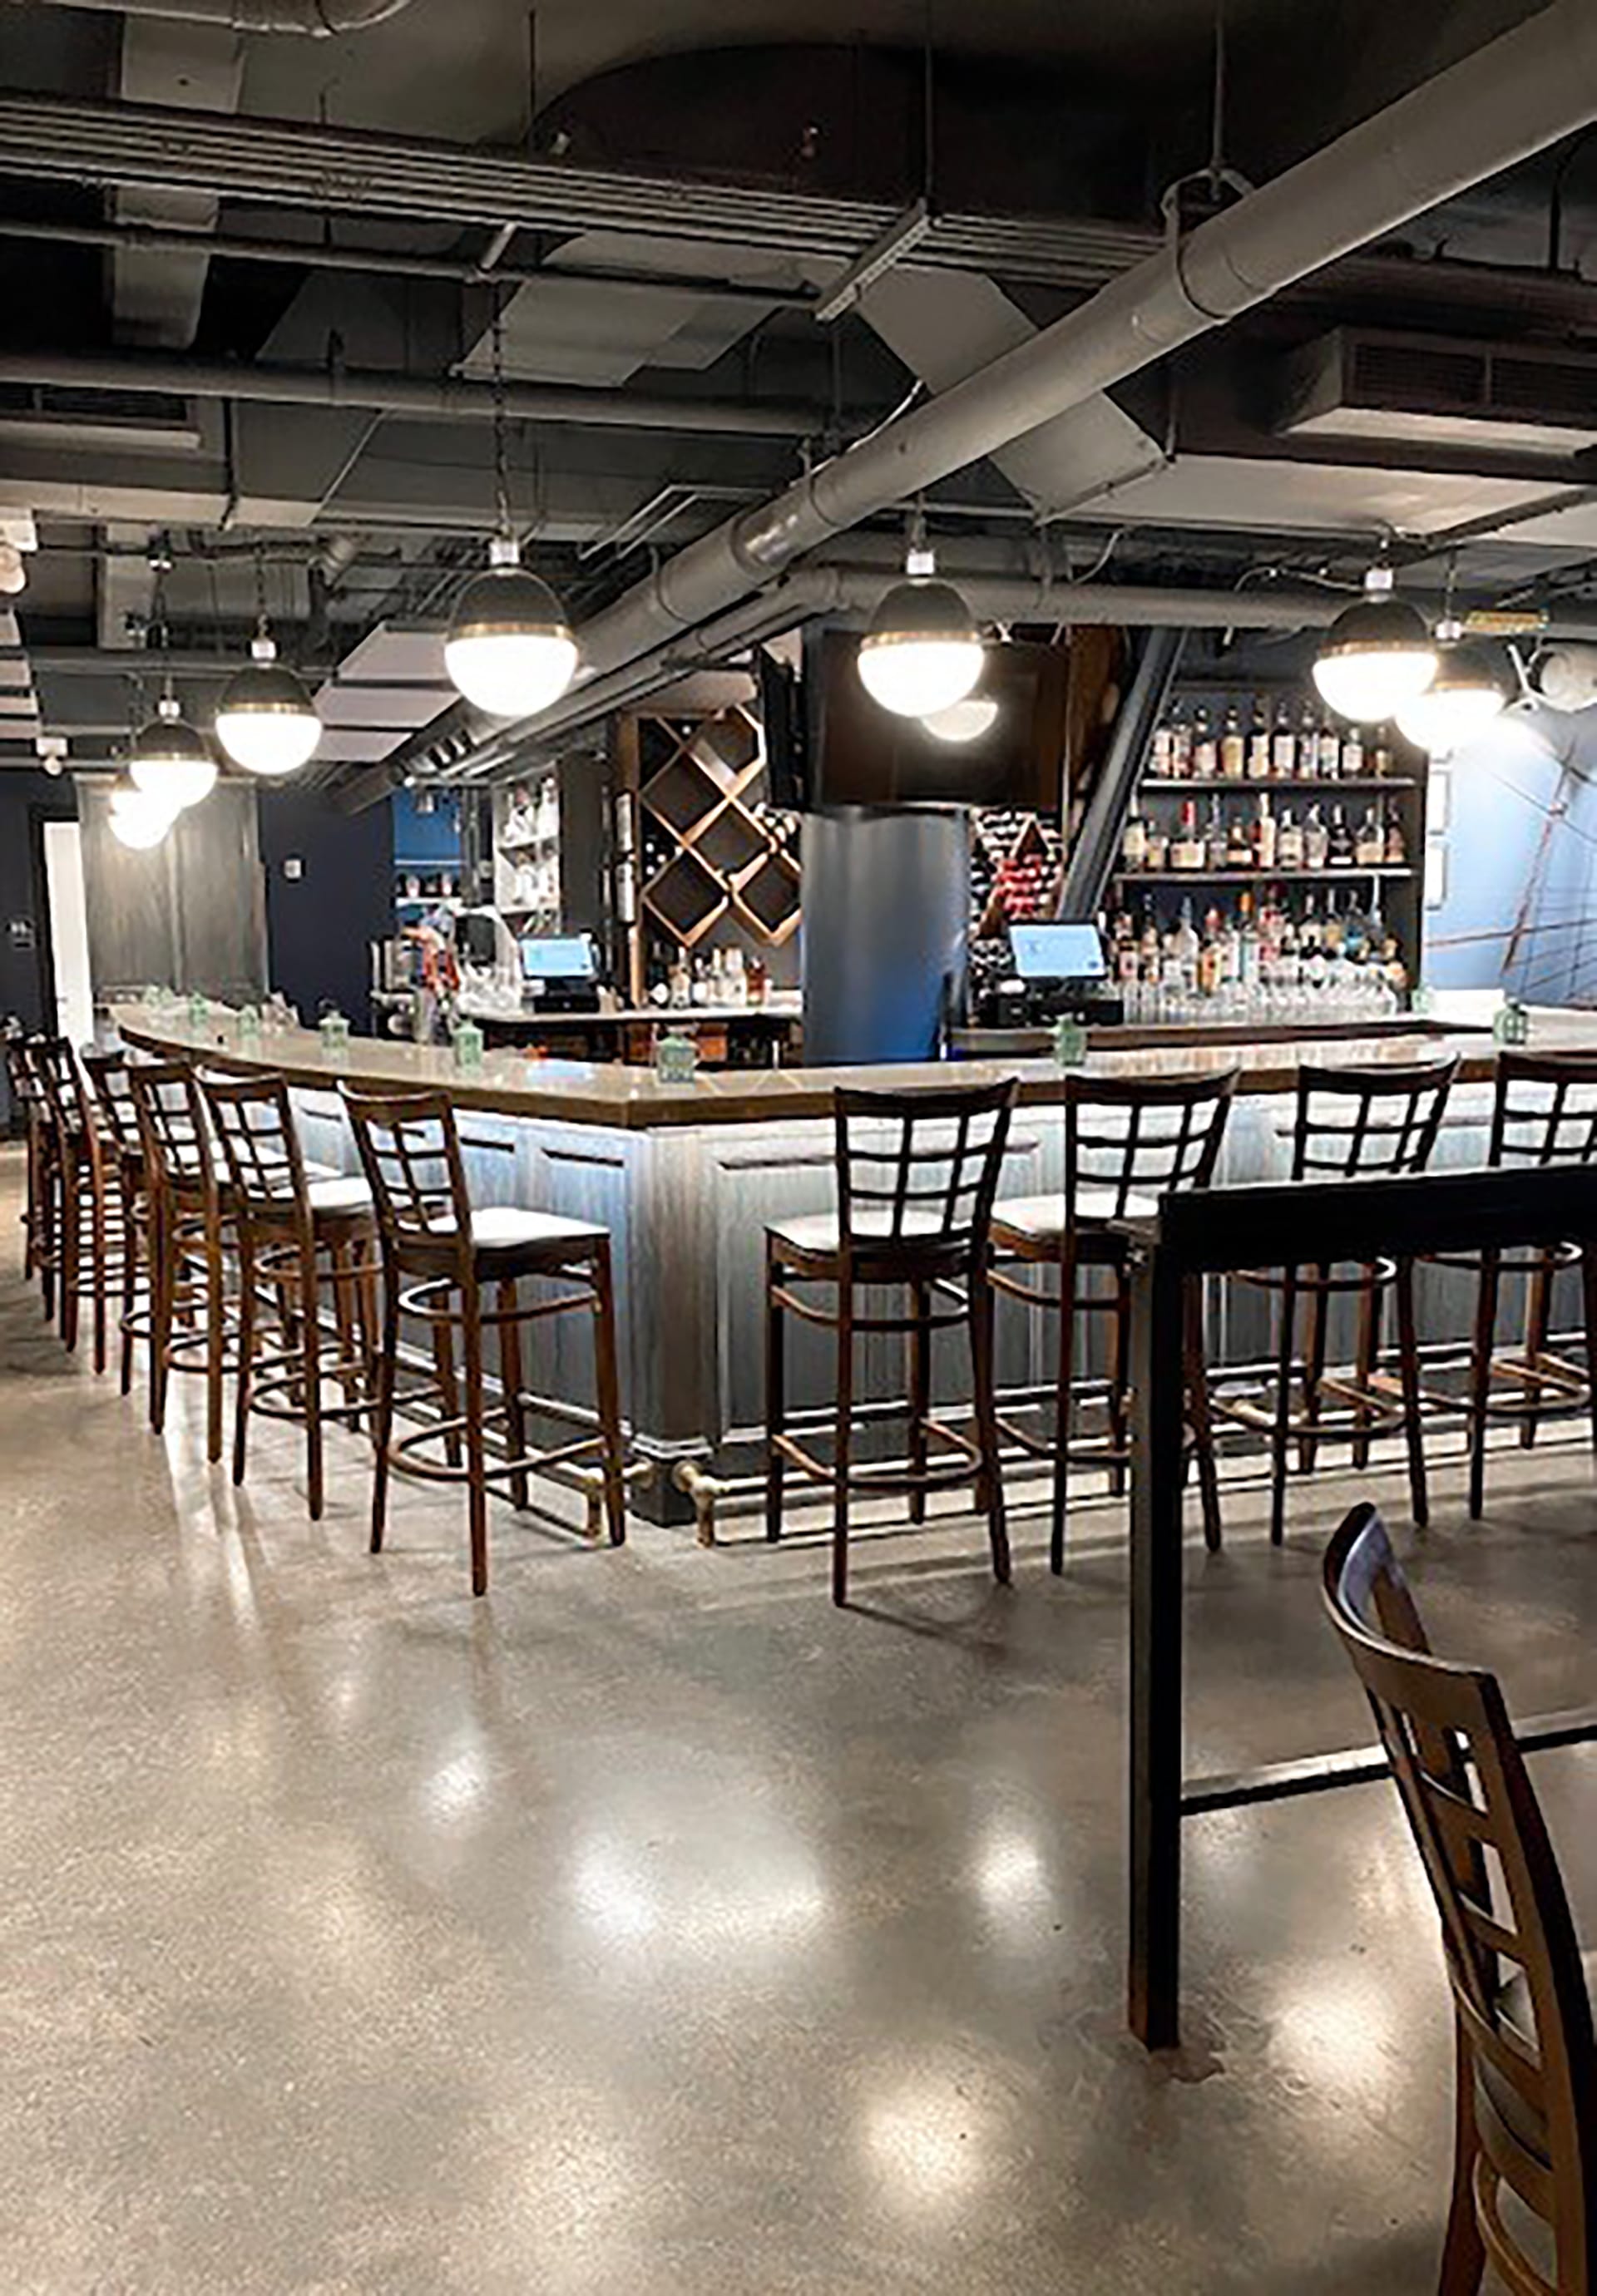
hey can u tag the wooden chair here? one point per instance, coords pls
(109, 1075)
(94, 1245)
(1543, 1112)
(441, 1255)
(1527, 2067)
(1349, 1123)
(191, 1328)
(1127, 1143)
(303, 1245)
(41, 1188)
(917, 1175)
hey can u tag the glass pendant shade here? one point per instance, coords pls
(139, 817)
(963, 721)
(266, 720)
(1462, 701)
(509, 648)
(922, 652)
(169, 760)
(1377, 656)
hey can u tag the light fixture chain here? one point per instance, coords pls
(501, 468)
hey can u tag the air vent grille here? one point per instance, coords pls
(1372, 383)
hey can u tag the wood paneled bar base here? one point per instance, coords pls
(686, 1177)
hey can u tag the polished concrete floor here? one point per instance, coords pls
(650, 1928)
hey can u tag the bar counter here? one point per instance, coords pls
(687, 1176)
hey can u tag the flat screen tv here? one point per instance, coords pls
(1001, 747)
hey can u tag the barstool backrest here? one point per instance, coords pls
(1513, 1961)
(109, 1080)
(1545, 1109)
(173, 1129)
(918, 1170)
(253, 1119)
(23, 1084)
(54, 1063)
(410, 1152)
(1368, 1123)
(1130, 1136)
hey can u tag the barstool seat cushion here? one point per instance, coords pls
(339, 1196)
(1039, 1218)
(817, 1234)
(1520, 2115)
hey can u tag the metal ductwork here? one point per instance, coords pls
(1513, 97)
(318, 19)
(449, 399)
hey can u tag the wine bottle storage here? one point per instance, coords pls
(711, 849)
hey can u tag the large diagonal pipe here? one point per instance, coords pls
(318, 19)
(1516, 95)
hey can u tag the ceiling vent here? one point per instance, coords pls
(1362, 384)
(76, 416)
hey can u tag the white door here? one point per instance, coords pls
(69, 931)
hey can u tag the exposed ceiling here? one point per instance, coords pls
(690, 181)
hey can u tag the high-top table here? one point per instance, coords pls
(686, 1177)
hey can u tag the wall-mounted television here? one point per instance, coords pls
(1001, 747)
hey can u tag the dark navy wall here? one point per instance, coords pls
(318, 927)
(26, 799)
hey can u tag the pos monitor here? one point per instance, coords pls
(1056, 952)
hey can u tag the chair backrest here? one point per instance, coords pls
(1512, 1959)
(253, 1119)
(173, 1131)
(55, 1065)
(1142, 1136)
(917, 1171)
(1545, 1109)
(410, 1152)
(23, 1083)
(109, 1075)
(1368, 1123)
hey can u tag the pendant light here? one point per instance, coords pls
(509, 648)
(922, 652)
(1377, 656)
(139, 817)
(266, 720)
(963, 721)
(1461, 701)
(168, 759)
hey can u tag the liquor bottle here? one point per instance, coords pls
(1206, 750)
(1288, 842)
(1351, 767)
(1328, 753)
(1208, 956)
(1181, 748)
(1370, 845)
(1312, 954)
(1355, 935)
(1288, 966)
(1339, 848)
(1258, 746)
(1333, 937)
(1186, 850)
(1239, 844)
(1214, 836)
(1134, 843)
(1233, 747)
(1128, 955)
(1381, 758)
(1159, 763)
(1149, 941)
(1247, 945)
(1394, 845)
(1316, 841)
(1283, 745)
(1264, 835)
(1184, 946)
(1157, 855)
(1308, 930)
(1306, 763)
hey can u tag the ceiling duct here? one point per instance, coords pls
(317, 20)
(1369, 383)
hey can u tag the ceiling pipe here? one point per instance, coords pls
(451, 398)
(1518, 94)
(318, 19)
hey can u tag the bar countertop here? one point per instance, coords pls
(630, 1099)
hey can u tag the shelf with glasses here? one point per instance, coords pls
(1222, 784)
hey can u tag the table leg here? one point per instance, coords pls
(1157, 1329)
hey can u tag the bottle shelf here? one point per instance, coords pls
(1214, 784)
(1333, 873)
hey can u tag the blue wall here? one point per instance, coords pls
(1519, 912)
(317, 928)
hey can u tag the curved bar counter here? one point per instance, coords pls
(687, 1175)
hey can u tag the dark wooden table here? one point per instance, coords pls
(1217, 1233)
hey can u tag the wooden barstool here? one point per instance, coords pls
(190, 1215)
(303, 1244)
(1128, 1140)
(1543, 1112)
(440, 1256)
(1349, 1123)
(94, 1245)
(41, 1186)
(917, 1175)
(109, 1077)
